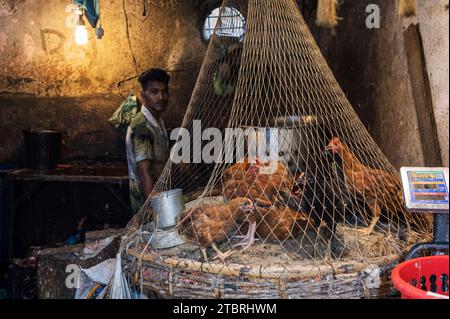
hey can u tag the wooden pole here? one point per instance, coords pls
(421, 89)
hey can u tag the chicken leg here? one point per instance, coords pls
(205, 256)
(220, 255)
(376, 213)
(248, 239)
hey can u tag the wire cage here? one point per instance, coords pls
(297, 201)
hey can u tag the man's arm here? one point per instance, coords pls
(147, 181)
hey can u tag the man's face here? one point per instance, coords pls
(156, 96)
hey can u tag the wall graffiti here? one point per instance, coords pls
(51, 40)
(44, 48)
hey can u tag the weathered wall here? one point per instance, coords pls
(394, 102)
(38, 57)
(83, 120)
(372, 67)
(433, 19)
(44, 73)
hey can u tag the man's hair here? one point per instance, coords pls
(153, 75)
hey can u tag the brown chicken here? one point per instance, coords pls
(263, 183)
(274, 168)
(270, 186)
(278, 223)
(263, 190)
(241, 169)
(208, 225)
(379, 189)
(248, 168)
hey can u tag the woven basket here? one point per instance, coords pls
(170, 277)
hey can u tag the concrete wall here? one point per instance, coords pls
(434, 26)
(40, 66)
(394, 102)
(371, 66)
(46, 80)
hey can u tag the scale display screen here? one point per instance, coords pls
(425, 188)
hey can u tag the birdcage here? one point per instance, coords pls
(314, 212)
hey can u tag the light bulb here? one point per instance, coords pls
(81, 33)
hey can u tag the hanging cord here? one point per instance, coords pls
(171, 68)
(136, 68)
(135, 64)
(99, 23)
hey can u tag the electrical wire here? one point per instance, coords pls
(136, 68)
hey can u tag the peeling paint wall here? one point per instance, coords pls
(433, 19)
(83, 121)
(372, 67)
(40, 60)
(394, 92)
(39, 55)
(41, 65)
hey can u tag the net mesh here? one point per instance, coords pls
(329, 194)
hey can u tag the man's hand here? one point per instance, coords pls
(147, 182)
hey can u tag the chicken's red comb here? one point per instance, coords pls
(335, 140)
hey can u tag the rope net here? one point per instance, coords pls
(329, 193)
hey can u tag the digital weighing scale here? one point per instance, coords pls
(425, 190)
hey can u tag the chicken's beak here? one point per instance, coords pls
(329, 148)
(253, 170)
(258, 164)
(297, 193)
(249, 208)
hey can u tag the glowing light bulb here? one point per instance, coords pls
(81, 33)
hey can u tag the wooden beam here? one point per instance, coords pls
(422, 96)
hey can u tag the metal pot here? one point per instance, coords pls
(167, 206)
(295, 132)
(275, 143)
(42, 149)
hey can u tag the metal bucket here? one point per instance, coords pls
(42, 149)
(161, 239)
(167, 207)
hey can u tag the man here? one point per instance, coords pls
(147, 141)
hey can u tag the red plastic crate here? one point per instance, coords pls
(422, 278)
